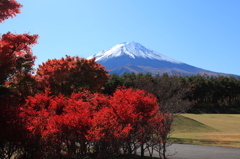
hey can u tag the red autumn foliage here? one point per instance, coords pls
(134, 105)
(15, 54)
(8, 9)
(70, 125)
(9, 125)
(72, 74)
(16, 61)
(37, 114)
(137, 108)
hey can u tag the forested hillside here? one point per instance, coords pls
(207, 94)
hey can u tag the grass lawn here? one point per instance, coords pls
(207, 129)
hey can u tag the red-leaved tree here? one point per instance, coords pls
(134, 108)
(15, 55)
(86, 124)
(71, 74)
(9, 9)
(16, 61)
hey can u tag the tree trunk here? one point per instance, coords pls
(142, 149)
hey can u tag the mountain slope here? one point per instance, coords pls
(133, 57)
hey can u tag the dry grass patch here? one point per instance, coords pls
(226, 123)
(207, 129)
(221, 137)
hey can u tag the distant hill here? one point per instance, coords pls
(133, 57)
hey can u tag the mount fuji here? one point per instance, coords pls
(133, 57)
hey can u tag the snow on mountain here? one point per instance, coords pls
(133, 50)
(133, 57)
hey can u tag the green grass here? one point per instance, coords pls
(207, 129)
(183, 124)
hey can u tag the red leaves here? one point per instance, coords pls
(36, 112)
(134, 105)
(16, 59)
(84, 117)
(15, 54)
(72, 74)
(9, 9)
(20, 44)
(16, 82)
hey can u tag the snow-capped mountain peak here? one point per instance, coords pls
(133, 57)
(133, 50)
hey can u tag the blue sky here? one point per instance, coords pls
(202, 33)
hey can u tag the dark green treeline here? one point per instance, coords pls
(207, 94)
